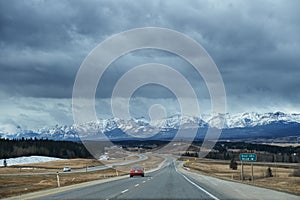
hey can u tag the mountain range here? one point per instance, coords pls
(236, 126)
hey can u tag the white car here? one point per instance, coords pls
(66, 169)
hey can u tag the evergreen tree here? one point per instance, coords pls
(233, 164)
(269, 172)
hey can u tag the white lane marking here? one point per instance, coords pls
(124, 191)
(144, 181)
(206, 192)
(211, 195)
(136, 185)
(149, 179)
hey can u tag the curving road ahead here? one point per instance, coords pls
(166, 183)
(142, 157)
(170, 182)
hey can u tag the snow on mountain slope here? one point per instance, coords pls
(142, 127)
(255, 119)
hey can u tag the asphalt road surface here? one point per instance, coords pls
(142, 157)
(166, 183)
(170, 182)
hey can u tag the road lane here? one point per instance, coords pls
(224, 189)
(142, 157)
(170, 182)
(166, 183)
(106, 190)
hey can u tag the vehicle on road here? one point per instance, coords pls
(137, 171)
(66, 169)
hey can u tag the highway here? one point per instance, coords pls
(142, 157)
(166, 183)
(170, 182)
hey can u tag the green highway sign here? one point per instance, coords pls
(248, 157)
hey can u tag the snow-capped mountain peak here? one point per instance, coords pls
(144, 127)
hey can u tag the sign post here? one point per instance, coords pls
(242, 171)
(247, 157)
(57, 177)
(252, 172)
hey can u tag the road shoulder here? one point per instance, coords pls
(51, 191)
(224, 189)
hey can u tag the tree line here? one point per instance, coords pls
(10, 148)
(265, 153)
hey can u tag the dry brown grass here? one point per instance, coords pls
(111, 161)
(20, 183)
(282, 179)
(58, 165)
(52, 166)
(73, 163)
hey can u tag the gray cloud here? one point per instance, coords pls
(255, 44)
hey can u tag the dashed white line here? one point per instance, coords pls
(124, 191)
(136, 185)
(144, 181)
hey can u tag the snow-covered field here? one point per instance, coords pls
(28, 159)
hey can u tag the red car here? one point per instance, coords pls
(137, 171)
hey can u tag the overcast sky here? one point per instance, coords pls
(255, 44)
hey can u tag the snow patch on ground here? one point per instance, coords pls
(27, 160)
(104, 157)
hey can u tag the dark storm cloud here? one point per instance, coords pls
(44, 42)
(255, 44)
